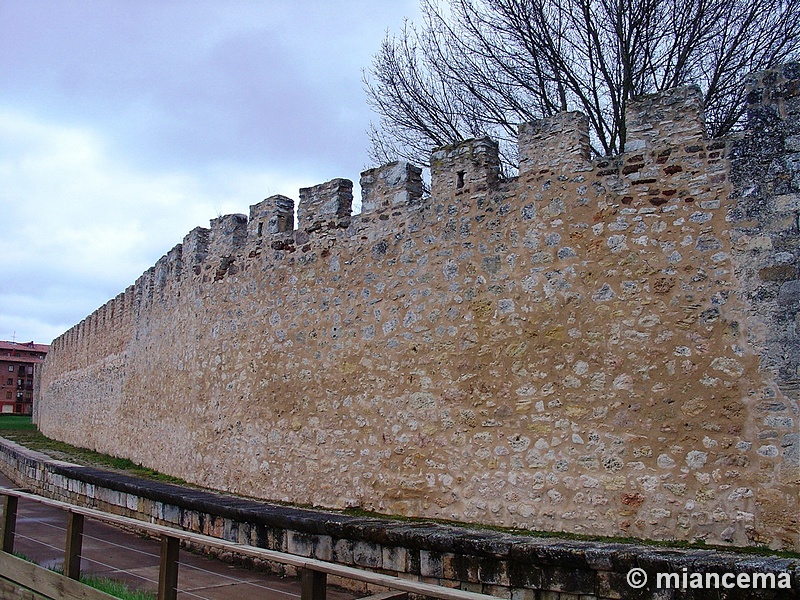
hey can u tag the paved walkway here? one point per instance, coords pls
(116, 554)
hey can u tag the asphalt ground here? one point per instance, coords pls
(117, 554)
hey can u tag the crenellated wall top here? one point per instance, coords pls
(467, 172)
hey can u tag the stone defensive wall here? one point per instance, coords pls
(597, 346)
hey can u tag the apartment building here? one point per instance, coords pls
(17, 371)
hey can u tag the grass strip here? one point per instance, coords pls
(113, 587)
(20, 429)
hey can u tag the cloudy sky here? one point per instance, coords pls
(126, 123)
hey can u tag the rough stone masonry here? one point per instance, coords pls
(606, 347)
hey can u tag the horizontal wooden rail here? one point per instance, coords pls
(44, 581)
(313, 571)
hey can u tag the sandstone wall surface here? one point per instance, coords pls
(605, 347)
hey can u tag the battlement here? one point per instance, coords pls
(195, 247)
(466, 168)
(271, 216)
(228, 234)
(773, 99)
(560, 141)
(389, 187)
(673, 117)
(326, 205)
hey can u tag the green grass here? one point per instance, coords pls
(20, 429)
(112, 587)
(116, 588)
(16, 423)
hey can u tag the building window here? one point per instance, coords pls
(29, 370)
(10, 381)
(8, 395)
(10, 368)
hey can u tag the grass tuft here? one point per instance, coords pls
(116, 588)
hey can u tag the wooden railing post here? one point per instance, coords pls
(313, 585)
(168, 571)
(9, 524)
(73, 546)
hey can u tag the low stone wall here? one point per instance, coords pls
(517, 567)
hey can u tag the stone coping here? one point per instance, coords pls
(520, 551)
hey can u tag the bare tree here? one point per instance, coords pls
(480, 67)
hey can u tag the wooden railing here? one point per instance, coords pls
(313, 572)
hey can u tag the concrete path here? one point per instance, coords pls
(116, 554)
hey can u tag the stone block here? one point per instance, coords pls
(473, 587)
(413, 561)
(278, 539)
(497, 591)
(230, 530)
(343, 551)
(194, 248)
(323, 547)
(610, 584)
(789, 294)
(569, 580)
(453, 567)
(493, 571)
(430, 564)
(524, 574)
(300, 544)
(367, 554)
(170, 514)
(132, 502)
(523, 594)
(395, 558)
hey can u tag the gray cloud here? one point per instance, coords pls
(127, 123)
